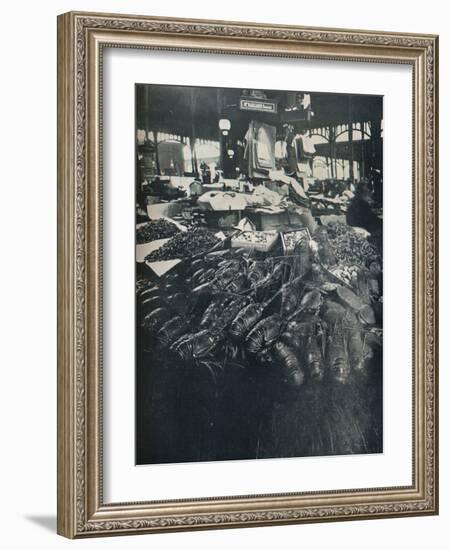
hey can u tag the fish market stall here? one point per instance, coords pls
(293, 317)
(259, 307)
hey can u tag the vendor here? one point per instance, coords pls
(290, 167)
(295, 187)
(360, 211)
(205, 173)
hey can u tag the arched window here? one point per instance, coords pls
(208, 151)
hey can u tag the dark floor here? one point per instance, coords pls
(186, 412)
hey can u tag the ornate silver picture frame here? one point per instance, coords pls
(82, 41)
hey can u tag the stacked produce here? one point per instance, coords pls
(261, 241)
(350, 247)
(184, 245)
(346, 273)
(254, 237)
(293, 239)
(154, 230)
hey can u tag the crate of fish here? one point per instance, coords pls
(294, 238)
(261, 241)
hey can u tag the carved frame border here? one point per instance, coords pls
(81, 36)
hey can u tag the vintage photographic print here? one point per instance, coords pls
(259, 274)
(225, 355)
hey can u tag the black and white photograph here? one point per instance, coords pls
(259, 274)
(227, 317)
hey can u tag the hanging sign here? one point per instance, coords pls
(261, 105)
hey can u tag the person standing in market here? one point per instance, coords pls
(297, 194)
(360, 212)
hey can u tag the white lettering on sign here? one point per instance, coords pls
(264, 106)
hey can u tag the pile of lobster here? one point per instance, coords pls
(285, 313)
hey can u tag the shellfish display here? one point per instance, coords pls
(258, 311)
(252, 340)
